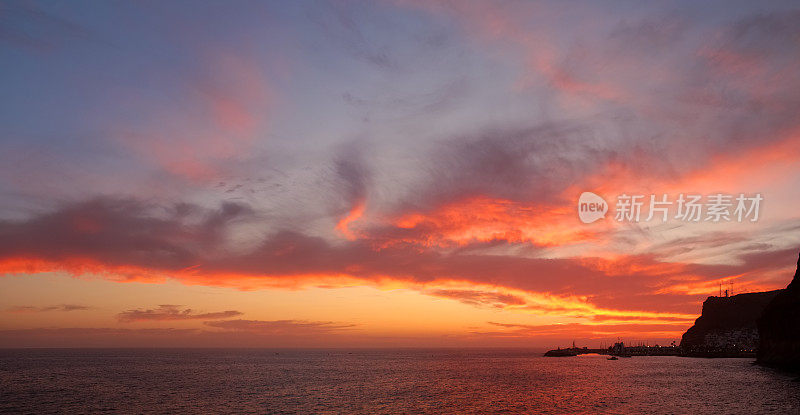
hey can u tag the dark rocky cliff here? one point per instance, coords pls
(779, 328)
(728, 322)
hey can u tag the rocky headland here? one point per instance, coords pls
(727, 326)
(779, 328)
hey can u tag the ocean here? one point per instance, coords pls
(482, 381)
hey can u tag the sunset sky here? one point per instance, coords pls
(387, 173)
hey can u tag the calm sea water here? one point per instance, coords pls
(383, 381)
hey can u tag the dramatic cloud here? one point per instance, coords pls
(105, 232)
(645, 110)
(124, 240)
(169, 312)
(295, 145)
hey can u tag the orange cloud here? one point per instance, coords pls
(81, 267)
(483, 219)
(355, 213)
(139, 243)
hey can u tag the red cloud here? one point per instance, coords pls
(481, 219)
(137, 241)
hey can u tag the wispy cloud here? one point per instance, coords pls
(483, 298)
(167, 312)
(292, 327)
(42, 309)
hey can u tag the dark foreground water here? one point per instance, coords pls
(398, 381)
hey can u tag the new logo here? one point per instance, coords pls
(591, 207)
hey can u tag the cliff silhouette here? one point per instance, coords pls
(779, 328)
(727, 324)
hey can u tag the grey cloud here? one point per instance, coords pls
(121, 231)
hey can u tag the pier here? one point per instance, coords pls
(618, 349)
